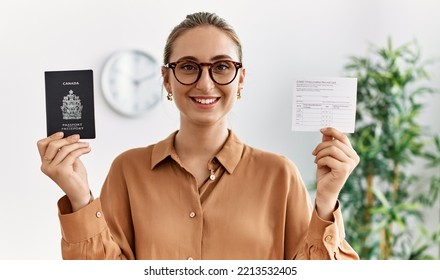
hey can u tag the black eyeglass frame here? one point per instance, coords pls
(173, 65)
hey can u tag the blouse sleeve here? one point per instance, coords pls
(307, 235)
(88, 234)
(326, 240)
(85, 234)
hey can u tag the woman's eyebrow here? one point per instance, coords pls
(217, 57)
(188, 58)
(222, 56)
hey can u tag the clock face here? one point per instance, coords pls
(131, 82)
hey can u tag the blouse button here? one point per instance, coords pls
(328, 238)
(98, 214)
(190, 258)
(192, 214)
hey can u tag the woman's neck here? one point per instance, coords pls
(200, 141)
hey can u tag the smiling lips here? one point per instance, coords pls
(205, 101)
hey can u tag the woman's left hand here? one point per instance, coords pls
(335, 160)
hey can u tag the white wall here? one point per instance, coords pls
(282, 39)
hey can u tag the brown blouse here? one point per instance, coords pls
(254, 207)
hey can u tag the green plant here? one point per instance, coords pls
(386, 196)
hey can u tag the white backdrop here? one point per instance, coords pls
(282, 40)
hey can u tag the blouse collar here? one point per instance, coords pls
(229, 156)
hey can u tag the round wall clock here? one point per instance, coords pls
(131, 82)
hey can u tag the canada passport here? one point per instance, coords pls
(69, 103)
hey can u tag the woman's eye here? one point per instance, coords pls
(221, 67)
(188, 67)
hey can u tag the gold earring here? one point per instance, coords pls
(238, 95)
(170, 96)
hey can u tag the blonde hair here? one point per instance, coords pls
(196, 20)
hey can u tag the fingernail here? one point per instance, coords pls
(74, 136)
(324, 129)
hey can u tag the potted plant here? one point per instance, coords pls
(386, 198)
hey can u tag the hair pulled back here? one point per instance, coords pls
(196, 20)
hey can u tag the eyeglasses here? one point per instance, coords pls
(222, 72)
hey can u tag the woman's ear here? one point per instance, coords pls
(165, 77)
(241, 78)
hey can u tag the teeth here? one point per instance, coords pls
(205, 101)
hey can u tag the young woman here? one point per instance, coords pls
(201, 193)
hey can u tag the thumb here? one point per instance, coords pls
(325, 137)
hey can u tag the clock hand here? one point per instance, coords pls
(147, 77)
(135, 81)
(127, 76)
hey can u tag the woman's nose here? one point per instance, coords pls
(205, 83)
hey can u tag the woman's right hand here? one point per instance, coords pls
(60, 161)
